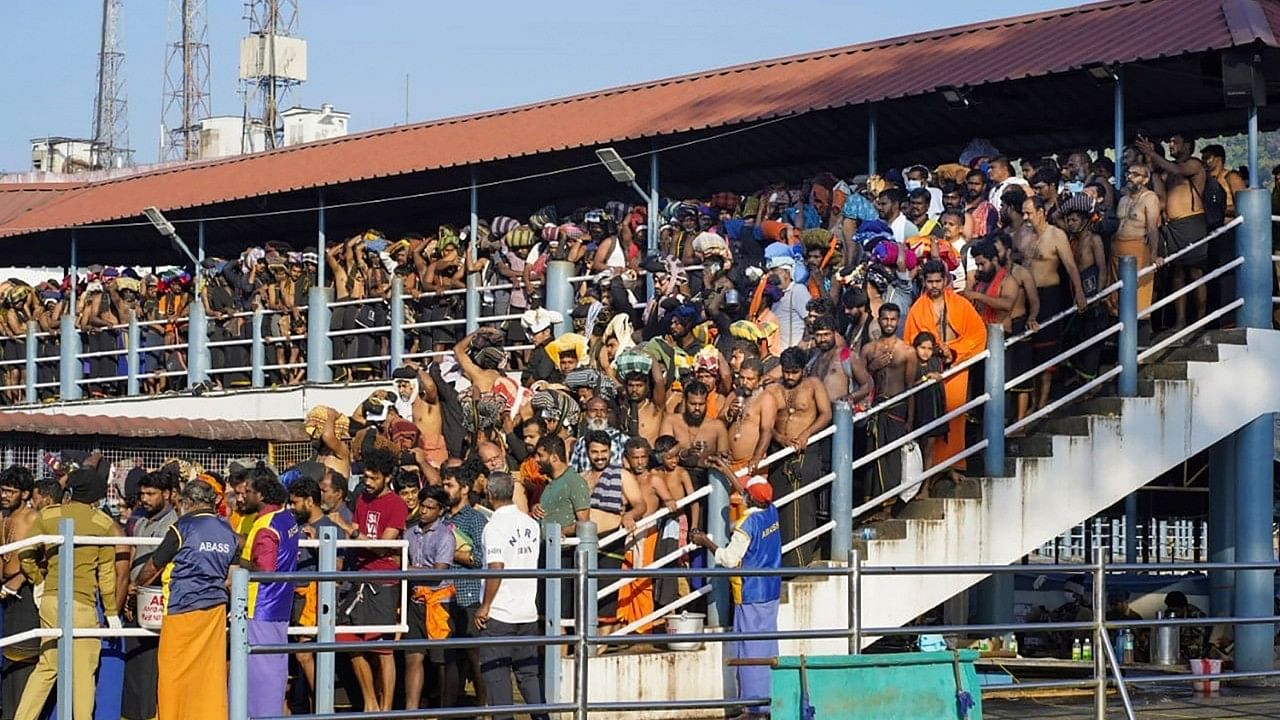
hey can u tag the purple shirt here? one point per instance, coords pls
(431, 546)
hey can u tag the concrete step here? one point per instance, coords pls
(895, 529)
(965, 489)
(929, 508)
(1228, 336)
(1172, 370)
(1035, 445)
(1195, 353)
(1079, 425)
(1097, 406)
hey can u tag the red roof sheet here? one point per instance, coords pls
(1117, 31)
(62, 424)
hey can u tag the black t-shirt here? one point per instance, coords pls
(541, 367)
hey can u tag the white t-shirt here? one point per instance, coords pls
(513, 539)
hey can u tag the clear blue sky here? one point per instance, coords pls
(460, 57)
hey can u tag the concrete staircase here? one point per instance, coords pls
(1071, 467)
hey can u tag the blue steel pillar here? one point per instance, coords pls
(872, 140)
(560, 293)
(1254, 589)
(397, 318)
(842, 488)
(993, 413)
(66, 616)
(718, 529)
(32, 375)
(319, 346)
(131, 358)
(1222, 524)
(69, 367)
(197, 343)
(326, 607)
(551, 548)
(1119, 127)
(257, 351)
(320, 241)
(473, 294)
(1128, 343)
(651, 228)
(238, 670)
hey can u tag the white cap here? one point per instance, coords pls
(539, 319)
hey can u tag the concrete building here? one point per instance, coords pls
(221, 136)
(61, 154)
(304, 125)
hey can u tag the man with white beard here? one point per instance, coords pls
(596, 416)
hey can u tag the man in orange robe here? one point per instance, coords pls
(961, 334)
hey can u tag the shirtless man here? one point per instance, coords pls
(892, 363)
(1001, 298)
(16, 592)
(840, 369)
(672, 484)
(1086, 248)
(750, 418)
(646, 397)
(699, 437)
(418, 401)
(615, 495)
(1138, 235)
(1183, 181)
(1049, 251)
(803, 409)
(332, 450)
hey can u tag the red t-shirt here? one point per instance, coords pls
(374, 517)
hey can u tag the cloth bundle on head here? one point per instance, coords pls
(446, 237)
(759, 489)
(568, 342)
(491, 358)
(753, 331)
(539, 319)
(632, 361)
(589, 378)
(617, 210)
(406, 430)
(711, 244)
(483, 411)
(501, 225)
(1077, 203)
(794, 253)
(708, 358)
(872, 232)
(545, 216)
(549, 232)
(557, 405)
(571, 232)
(519, 238)
(319, 415)
(726, 201)
(976, 149)
(620, 329)
(886, 253)
(86, 486)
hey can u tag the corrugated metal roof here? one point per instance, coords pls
(1116, 31)
(101, 425)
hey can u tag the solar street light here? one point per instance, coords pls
(166, 228)
(620, 170)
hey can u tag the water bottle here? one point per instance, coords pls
(1012, 645)
(1076, 652)
(1128, 647)
(867, 533)
(1087, 652)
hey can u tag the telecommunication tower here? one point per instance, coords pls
(272, 62)
(110, 108)
(186, 81)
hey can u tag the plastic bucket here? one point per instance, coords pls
(1206, 667)
(150, 607)
(686, 623)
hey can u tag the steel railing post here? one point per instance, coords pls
(993, 413)
(238, 680)
(319, 345)
(1099, 631)
(257, 351)
(32, 374)
(585, 626)
(1128, 312)
(842, 487)
(66, 616)
(132, 357)
(326, 614)
(551, 548)
(872, 140)
(718, 528)
(197, 343)
(855, 602)
(396, 348)
(472, 295)
(589, 551)
(559, 293)
(1253, 243)
(70, 370)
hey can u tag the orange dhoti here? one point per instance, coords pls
(1146, 284)
(966, 336)
(192, 682)
(635, 599)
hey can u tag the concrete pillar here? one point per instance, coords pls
(559, 293)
